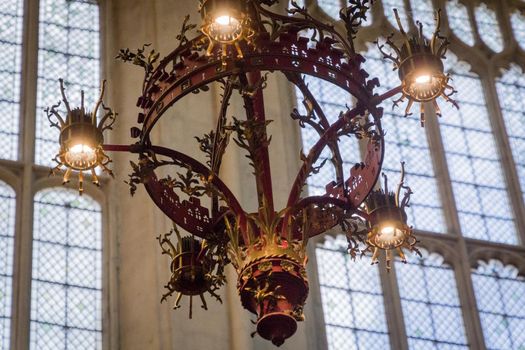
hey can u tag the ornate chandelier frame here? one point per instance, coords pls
(238, 41)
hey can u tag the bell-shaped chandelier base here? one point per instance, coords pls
(275, 288)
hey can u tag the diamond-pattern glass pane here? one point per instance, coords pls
(430, 303)
(473, 162)
(333, 100)
(511, 93)
(518, 27)
(488, 27)
(406, 141)
(7, 232)
(459, 22)
(423, 11)
(66, 289)
(331, 7)
(389, 6)
(11, 12)
(69, 49)
(500, 297)
(352, 299)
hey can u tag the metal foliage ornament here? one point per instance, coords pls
(237, 44)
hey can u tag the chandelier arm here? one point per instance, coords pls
(200, 168)
(220, 139)
(196, 166)
(337, 160)
(135, 148)
(377, 99)
(321, 212)
(218, 151)
(315, 152)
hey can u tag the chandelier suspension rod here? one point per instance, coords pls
(255, 112)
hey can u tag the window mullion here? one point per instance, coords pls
(439, 162)
(393, 308)
(505, 153)
(28, 82)
(23, 236)
(468, 299)
(462, 270)
(503, 13)
(314, 313)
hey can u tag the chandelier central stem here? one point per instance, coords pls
(255, 112)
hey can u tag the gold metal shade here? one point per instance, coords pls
(81, 138)
(225, 22)
(388, 230)
(420, 65)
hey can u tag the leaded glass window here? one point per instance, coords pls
(66, 284)
(430, 302)
(459, 22)
(11, 12)
(488, 27)
(331, 7)
(471, 155)
(68, 48)
(511, 92)
(500, 297)
(352, 299)
(407, 142)
(517, 20)
(477, 178)
(424, 12)
(7, 231)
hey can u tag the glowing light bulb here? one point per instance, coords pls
(423, 79)
(424, 86)
(224, 29)
(81, 156)
(388, 230)
(81, 148)
(389, 237)
(226, 20)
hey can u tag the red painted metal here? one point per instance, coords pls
(196, 70)
(265, 176)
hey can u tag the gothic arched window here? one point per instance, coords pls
(66, 287)
(466, 169)
(7, 243)
(51, 270)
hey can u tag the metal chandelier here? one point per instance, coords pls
(235, 43)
